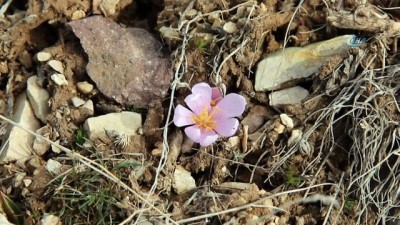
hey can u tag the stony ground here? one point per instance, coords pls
(89, 88)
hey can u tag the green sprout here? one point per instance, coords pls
(200, 44)
(238, 156)
(135, 109)
(13, 212)
(79, 137)
(349, 204)
(292, 179)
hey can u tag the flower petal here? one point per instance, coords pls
(231, 105)
(182, 116)
(200, 88)
(227, 127)
(200, 98)
(194, 133)
(216, 94)
(207, 138)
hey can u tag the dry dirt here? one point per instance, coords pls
(256, 177)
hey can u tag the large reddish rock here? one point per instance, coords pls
(125, 63)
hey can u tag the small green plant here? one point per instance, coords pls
(13, 212)
(79, 137)
(292, 179)
(126, 164)
(349, 204)
(135, 109)
(200, 44)
(238, 156)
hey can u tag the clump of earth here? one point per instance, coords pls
(87, 98)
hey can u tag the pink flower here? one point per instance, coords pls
(210, 114)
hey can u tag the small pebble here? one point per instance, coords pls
(54, 148)
(78, 14)
(43, 56)
(49, 219)
(279, 129)
(230, 27)
(3, 67)
(88, 107)
(295, 137)
(84, 87)
(53, 167)
(76, 102)
(59, 79)
(56, 65)
(287, 121)
(27, 182)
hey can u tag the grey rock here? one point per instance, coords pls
(122, 123)
(296, 63)
(288, 96)
(17, 143)
(124, 63)
(182, 180)
(38, 97)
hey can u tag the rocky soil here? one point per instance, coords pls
(87, 96)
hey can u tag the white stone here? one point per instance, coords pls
(279, 128)
(18, 179)
(88, 107)
(295, 63)
(43, 56)
(53, 167)
(230, 27)
(295, 137)
(122, 123)
(19, 144)
(54, 148)
(38, 97)
(84, 87)
(56, 65)
(76, 102)
(41, 146)
(27, 182)
(59, 79)
(287, 121)
(49, 219)
(4, 221)
(183, 180)
(288, 96)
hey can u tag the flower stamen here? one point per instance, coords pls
(205, 120)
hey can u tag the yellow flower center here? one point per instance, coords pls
(205, 120)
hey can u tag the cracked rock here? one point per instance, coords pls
(124, 63)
